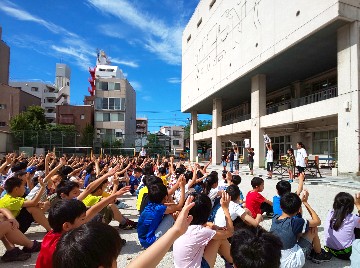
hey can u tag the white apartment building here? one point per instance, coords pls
(176, 133)
(50, 94)
(115, 104)
(290, 69)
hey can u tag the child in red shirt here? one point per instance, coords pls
(255, 202)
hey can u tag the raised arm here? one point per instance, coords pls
(152, 256)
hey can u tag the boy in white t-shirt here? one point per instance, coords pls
(199, 246)
(235, 210)
(301, 158)
(269, 160)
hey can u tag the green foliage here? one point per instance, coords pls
(32, 119)
(60, 128)
(202, 125)
(87, 136)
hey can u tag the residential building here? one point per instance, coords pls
(288, 69)
(141, 126)
(115, 103)
(12, 102)
(4, 61)
(78, 115)
(51, 95)
(176, 133)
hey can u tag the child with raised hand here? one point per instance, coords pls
(199, 246)
(299, 236)
(341, 226)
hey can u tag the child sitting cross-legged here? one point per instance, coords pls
(199, 246)
(299, 236)
(235, 210)
(156, 218)
(255, 202)
(64, 216)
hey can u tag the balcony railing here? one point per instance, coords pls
(293, 103)
(236, 119)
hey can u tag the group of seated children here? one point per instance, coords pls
(179, 205)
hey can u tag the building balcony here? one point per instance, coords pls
(293, 103)
(50, 115)
(236, 119)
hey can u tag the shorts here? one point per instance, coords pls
(25, 220)
(269, 166)
(236, 164)
(105, 216)
(204, 263)
(305, 245)
(224, 163)
(251, 165)
(300, 169)
(297, 255)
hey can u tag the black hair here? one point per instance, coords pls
(291, 150)
(152, 179)
(12, 183)
(233, 191)
(290, 203)
(66, 170)
(148, 169)
(255, 248)
(236, 179)
(138, 170)
(65, 187)
(256, 182)
(157, 192)
(202, 209)
(188, 175)
(65, 211)
(91, 245)
(343, 206)
(162, 170)
(100, 185)
(19, 166)
(301, 144)
(209, 182)
(89, 169)
(283, 187)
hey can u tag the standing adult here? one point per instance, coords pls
(301, 158)
(224, 158)
(142, 152)
(251, 160)
(231, 160)
(269, 160)
(236, 158)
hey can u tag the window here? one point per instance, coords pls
(106, 117)
(176, 133)
(36, 89)
(105, 103)
(2, 124)
(98, 117)
(103, 86)
(111, 103)
(111, 86)
(117, 117)
(212, 3)
(199, 22)
(118, 134)
(82, 116)
(2, 106)
(176, 142)
(98, 103)
(117, 86)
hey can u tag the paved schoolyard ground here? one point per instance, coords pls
(322, 193)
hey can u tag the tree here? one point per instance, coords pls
(202, 125)
(32, 119)
(87, 136)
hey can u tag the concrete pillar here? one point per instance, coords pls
(258, 109)
(193, 131)
(348, 57)
(216, 123)
(297, 89)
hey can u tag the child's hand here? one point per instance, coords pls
(122, 191)
(62, 161)
(225, 200)
(304, 196)
(357, 199)
(182, 180)
(183, 220)
(14, 224)
(116, 180)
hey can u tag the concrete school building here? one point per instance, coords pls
(290, 69)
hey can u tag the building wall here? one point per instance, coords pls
(176, 133)
(79, 116)
(4, 61)
(249, 31)
(13, 101)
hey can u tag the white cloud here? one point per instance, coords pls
(14, 11)
(174, 80)
(159, 38)
(136, 85)
(124, 62)
(147, 98)
(81, 59)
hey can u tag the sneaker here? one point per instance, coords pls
(35, 248)
(122, 205)
(320, 257)
(15, 254)
(129, 225)
(290, 181)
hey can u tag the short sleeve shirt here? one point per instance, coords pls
(14, 204)
(288, 229)
(253, 202)
(235, 211)
(344, 237)
(91, 200)
(251, 156)
(48, 247)
(188, 249)
(300, 157)
(149, 221)
(276, 205)
(270, 156)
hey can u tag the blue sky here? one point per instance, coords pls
(143, 37)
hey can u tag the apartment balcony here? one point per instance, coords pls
(312, 98)
(236, 119)
(52, 95)
(50, 115)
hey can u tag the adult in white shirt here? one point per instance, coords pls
(143, 152)
(269, 160)
(301, 158)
